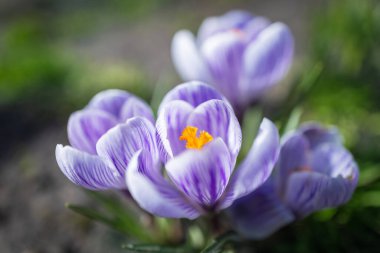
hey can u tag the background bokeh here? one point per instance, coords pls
(55, 55)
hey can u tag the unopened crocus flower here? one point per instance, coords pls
(86, 162)
(314, 172)
(199, 138)
(240, 54)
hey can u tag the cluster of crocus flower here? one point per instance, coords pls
(239, 54)
(183, 164)
(196, 138)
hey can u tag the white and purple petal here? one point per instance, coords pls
(254, 27)
(255, 169)
(318, 135)
(266, 60)
(222, 54)
(170, 124)
(194, 93)
(110, 101)
(121, 143)
(334, 161)
(135, 107)
(186, 57)
(294, 156)
(87, 126)
(87, 170)
(202, 175)
(236, 19)
(308, 192)
(153, 193)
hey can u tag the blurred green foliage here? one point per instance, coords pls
(28, 63)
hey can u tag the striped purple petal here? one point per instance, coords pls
(317, 134)
(153, 193)
(110, 101)
(170, 124)
(217, 118)
(186, 58)
(308, 192)
(121, 104)
(235, 19)
(194, 93)
(87, 170)
(121, 143)
(202, 175)
(135, 107)
(266, 60)
(260, 214)
(255, 169)
(254, 27)
(294, 156)
(222, 54)
(87, 126)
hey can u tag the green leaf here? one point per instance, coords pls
(118, 217)
(123, 219)
(251, 124)
(89, 213)
(218, 244)
(155, 248)
(293, 120)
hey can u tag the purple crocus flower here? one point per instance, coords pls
(240, 54)
(199, 138)
(314, 172)
(87, 162)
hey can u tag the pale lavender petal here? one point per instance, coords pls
(217, 118)
(257, 166)
(311, 191)
(266, 60)
(87, 126)
(110, 101)
(135, 107)
(253, 28)
(235, 19)
(170, 124)
(260, 214)
(87, 170)
(202, 175)
(153, 193)
(223, 58)
(121, 143)
(294, 156)
(194, 93)
(317, 135)
(186, 57)
(334, 161)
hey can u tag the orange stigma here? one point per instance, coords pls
(189, 134)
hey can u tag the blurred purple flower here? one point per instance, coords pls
(314, 171)
(199, 175)
(87, 161)
(240, 54)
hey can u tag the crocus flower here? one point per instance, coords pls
(86, 162)
(199, 138)
(240, 54)
(314, 172)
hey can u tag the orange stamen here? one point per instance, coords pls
(189, 134)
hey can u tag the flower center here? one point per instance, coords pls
(189, 134)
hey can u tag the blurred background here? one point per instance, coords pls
(55, 55)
